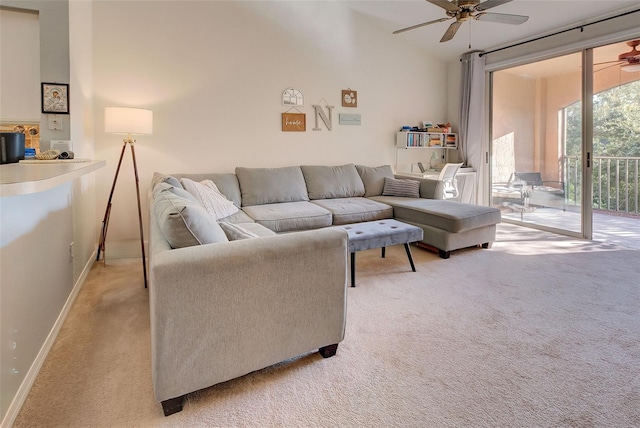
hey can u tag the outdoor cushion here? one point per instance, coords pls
(260, 186)
(289, 216)
(327, 182)
(373, 178)
(182, 220)
(354, 210)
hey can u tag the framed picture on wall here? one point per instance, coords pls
(294, 122)
(55, 98)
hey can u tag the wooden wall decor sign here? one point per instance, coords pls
(294, 122)
(349, 98)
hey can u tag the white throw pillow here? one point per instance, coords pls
(216, 204)
(236, 232)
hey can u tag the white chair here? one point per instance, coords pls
(449, 183)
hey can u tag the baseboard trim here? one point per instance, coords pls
(21, 395)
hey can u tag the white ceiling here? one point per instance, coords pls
(545, 16)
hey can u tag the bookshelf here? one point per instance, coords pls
(430, 143)
(417, 139)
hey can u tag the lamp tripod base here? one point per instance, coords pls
(107, 213)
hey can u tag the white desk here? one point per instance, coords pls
(466, 178)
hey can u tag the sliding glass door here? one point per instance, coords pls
(537, 143)
(565, 144)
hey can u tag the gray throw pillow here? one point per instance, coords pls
(182, 220)
(404, 188)
(373, 178)
(261, 186)
(236, 232)
(330, 182)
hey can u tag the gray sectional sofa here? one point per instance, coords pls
(223, 305)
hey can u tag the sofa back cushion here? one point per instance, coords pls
(373, 178)
(330, 182)
(260, 186)
(182, 220)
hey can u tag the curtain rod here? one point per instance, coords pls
(579, 27)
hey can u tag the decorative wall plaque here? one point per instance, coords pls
(349, 98)
(294, 122)
(349, 119)
(327, 119)
(292, 97)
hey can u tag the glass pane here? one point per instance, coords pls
(537, 143)
(616, 144)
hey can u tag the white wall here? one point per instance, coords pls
(213, 74)
(40, 276)
(20, 72)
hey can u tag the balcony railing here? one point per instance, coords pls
(615, 183)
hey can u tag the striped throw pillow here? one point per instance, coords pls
(404, 188)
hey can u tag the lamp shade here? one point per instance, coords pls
(125, 120)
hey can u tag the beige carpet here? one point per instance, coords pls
(539, 331)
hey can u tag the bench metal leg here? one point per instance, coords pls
(408, 250)
(353, 269)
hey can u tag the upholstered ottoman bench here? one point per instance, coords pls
(380, 234)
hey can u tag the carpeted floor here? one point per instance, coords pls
(539, 331)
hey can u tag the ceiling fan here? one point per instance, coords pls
(464, 10)
(629, 61)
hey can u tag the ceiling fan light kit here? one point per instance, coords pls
(628, 61)
(630, 68)
(465, 10)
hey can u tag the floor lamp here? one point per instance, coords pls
(129, 121)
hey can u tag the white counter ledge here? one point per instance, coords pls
(25, 178)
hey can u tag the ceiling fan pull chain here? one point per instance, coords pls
(470, 34)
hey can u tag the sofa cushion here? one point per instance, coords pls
(329, 182)
(451, 216)
(400, 187)
(207, 193)
(236, 232)
(373, 178)
(257, 228)
(260, 186)
(289, 216)
(355, 210)
(182, 220)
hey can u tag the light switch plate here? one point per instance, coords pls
(55, 123)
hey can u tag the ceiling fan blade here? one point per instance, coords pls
(502, 18)
(610, 62)
(608, 66)
(490, 3)
(451, 31)
(413, 27)
(445, 4)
